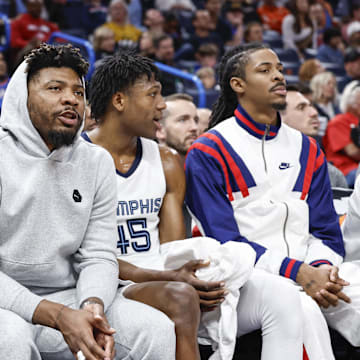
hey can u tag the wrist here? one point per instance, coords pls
(91, 301)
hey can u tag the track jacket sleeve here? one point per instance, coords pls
(208, 201)
(326, 244)
(96, 258)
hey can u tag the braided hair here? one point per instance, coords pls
(233, 63)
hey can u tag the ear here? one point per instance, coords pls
(118, 101)
(238, 85)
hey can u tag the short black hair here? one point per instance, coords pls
(117, 73)
(330, 33)
(46, 56)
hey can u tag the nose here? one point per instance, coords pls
(161, 104)
(313, 111)
(69, 97)
(278, 75)
(194, 125)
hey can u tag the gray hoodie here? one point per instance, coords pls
(49, 239)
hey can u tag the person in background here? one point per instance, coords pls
(301, 115)
(339, 147)
(298, 30)
(4, 77)
(325, 98)
(332, 49)
(308, 69)
(204, 119)
(126, 34)
(104, 43)
(207, 76)
(272, 15)
(253, 32)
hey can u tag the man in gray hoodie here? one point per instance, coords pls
(58, 268)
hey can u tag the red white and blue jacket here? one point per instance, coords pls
(267, 186)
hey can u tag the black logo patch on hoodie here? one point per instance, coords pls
(77, 196)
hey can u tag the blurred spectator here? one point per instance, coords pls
(89, 122)
(325, 98)
(272, 16)
(104, 43)
(179, 123)
(175, 29)
(164, 53)
(354, 15)
(207, 55)
(339, 147)
(203, 31)
(309, 68)
(298, 30)
(30, 29)
(332, 49)
(179, 5)
(235, 17)
(135, 12)
(146, 45)
(352, 67)
(253, 32)
(126, 34)
(220, 25)
(353, 34)
(301, 115)
(322, 13)
(204, 119)
(207, 76)
(94, 15)
(4, 77)
(154, 21)
(305, 89)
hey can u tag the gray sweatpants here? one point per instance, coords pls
(142, 332)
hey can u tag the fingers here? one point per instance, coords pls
(91, 350)
(207, 285)
(332, 299)
(197, 264)
(109, 347)
(333, 287)
(344, 297)
(213, 295)
(321, 300)
(334, 276)
(100, 323)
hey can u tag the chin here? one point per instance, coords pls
(280, 106)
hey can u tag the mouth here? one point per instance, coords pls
(156, 121)
(68, 118)
(279, 90)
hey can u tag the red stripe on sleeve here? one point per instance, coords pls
(234, 168)
(289, 268)
(319, 161)
(208, 150)
(309, 169)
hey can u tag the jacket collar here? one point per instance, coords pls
(256, 129)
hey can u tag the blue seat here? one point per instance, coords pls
(291, 79)
(291, 68)
(211, 96)
(335, 68)
(288, 55)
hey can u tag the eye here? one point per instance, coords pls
(79, 93)
(54, 88)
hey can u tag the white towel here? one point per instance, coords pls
(231, 262)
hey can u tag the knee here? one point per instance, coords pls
(16, 336)
(184, 306)
(283, 304)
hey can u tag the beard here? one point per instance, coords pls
(61, 138)
(279, 106)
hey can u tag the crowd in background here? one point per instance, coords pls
(318, 42)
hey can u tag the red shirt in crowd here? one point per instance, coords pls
(337, 136)
(272, 16)
(26, 27)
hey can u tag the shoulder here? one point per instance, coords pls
(169, 157)
(93, 155)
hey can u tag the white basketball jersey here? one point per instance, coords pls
(140, 195)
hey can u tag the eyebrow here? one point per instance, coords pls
(268, 63)
(302, 104)
(63, 83)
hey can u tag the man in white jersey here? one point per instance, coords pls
(125, 98)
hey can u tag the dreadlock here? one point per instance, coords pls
(55, 56)
(117, 73)
(233, 63)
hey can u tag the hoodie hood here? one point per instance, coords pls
(16, 121)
